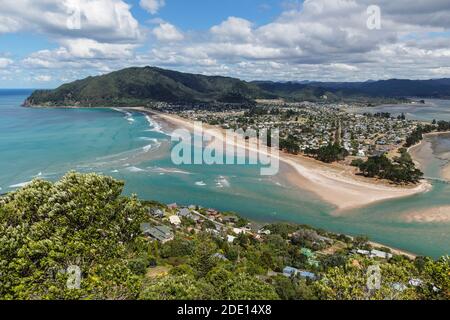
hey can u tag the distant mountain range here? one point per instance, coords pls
(142, 86)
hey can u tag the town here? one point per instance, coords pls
(310, 125)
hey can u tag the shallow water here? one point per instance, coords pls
(130, 146)
(432, 109)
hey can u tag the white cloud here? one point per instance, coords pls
(326, 39)
(107, 32)
(4, 62)
(43, 78)
(317, 40)
(8, 24)
(88, 48)
(234, 29)
(100, 20)
(152, 6)
(167, 32)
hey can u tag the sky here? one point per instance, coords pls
(45, 43)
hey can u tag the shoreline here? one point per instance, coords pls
(334, 184)
(170, 122)
(395, 251)
(417, 149)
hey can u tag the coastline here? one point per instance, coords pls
(306, 168)
(425, 147)
(395, 251)
(334, 184)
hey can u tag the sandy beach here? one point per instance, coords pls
(335, 184)
(446, 172)
(421, 154)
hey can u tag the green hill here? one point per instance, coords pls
(140, 86)
(143, 86)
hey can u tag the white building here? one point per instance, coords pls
(175, 220)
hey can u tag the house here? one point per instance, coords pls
(265, 231)
(255, 227)
(230, 219)
(175, 220)
(361, 153)
(307, 252)
(220, 256)
(212, 212)
(291, 271)
(325, 239)
(307, 275)
(239, 230)
(231, 239)
(161, 233)
(155, 212)
(172, 206)
(415, 282)
(213, 232)
(312, 261)
(363, 252)
(380, 254)
(184, 212)
(145, 227)
(194, 217)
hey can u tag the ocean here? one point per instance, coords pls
(130, 146)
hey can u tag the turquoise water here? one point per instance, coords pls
(130, 146)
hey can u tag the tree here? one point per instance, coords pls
(285, 288)
(177, 248)
(438, 274)
(245, 287)
(401, 169)
(331, 153)
(182, 287)
(350, 282)
(81, 221)
(203, 259)
(291, 144)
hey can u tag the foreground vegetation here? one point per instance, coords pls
(83, 220)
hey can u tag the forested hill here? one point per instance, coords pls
(142, 86)
(370, 90)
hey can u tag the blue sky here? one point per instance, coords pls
(187, 15)
(203, 14)
(328, 40)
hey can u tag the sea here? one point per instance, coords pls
(46, 143)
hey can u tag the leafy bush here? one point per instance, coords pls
(81, 220)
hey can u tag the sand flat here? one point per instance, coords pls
(446, 172)
(431, 215)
